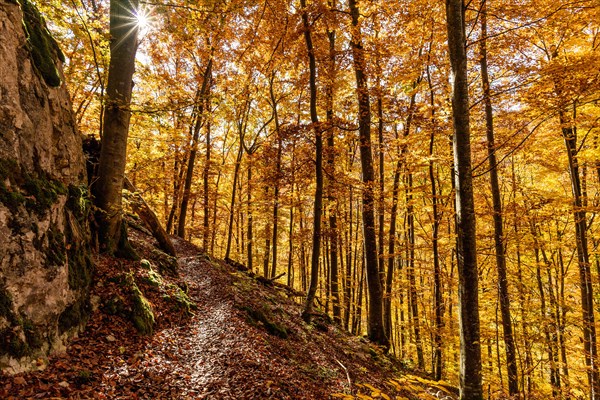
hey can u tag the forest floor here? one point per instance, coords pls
(239, 338)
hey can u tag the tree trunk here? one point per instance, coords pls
(318, 205)
(466, 246)
(250, 232)
(376, 329)
(201, 100)
(585, 276)
(438, 362)
(550, 348)
(113, 154)
(509, 341)
(277, 177)
(205, 194)
(242, 124)
(331, 196)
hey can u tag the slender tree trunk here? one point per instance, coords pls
(250, 230)
(389, 280)
(525, 374)
(348, 275)
(277, 178)
(242, 125)
(563, 314)
(201, 100)
(438, 362)
(331, 196)
(381, 180)
(205, 185)
(376, 329)
(585, 276)
(318, 203)
(117, 112)
(554, 374)
(509, 341)
(303, 256)
(468, 279)
(410, 270)
(290, 277)
(178, 174)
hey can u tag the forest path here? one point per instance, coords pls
(217, 354)
(244, 340)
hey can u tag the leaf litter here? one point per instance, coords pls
(230, 345)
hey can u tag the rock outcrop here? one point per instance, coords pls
(45, 265)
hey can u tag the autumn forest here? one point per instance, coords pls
(427, 174)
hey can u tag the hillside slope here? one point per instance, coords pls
(239, 338)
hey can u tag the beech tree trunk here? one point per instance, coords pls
(376, 329)
(331, 196)
(318, 205)
(205, 194)
(201, 100)
(113, 154)
(438, 362)
(466, 246)
(277, 177)
(250, 232)
(509, 341)
(242, 123)
(585, 275)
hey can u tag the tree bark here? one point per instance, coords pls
(466, 246)
(205, 191)
(331, 196)
(242, 124)
(277, 177)
(113, 154)
(318, 205)
(376, 329)
(201, 100)
(509, 341)
(585, 275)
(438, 362)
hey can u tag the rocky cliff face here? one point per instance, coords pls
(45, 266)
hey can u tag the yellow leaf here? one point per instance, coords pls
(343, 396)
(372, 388)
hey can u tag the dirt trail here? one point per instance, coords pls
(244, 340)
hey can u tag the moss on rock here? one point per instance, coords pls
(33, 334)
(116, 305)
(37, 191)
(74, 316)
(6, 306)
(181, 299)
(43, 192)
(12, 344)
(77, 234)
(154, 278)
(44, 50)
(263, 316)
(142, 314)
(166, 263)
(56, 250)
(78, 201)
